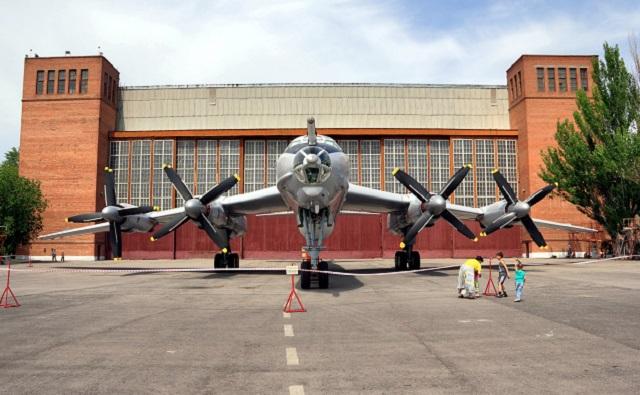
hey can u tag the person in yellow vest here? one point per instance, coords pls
(468, 286)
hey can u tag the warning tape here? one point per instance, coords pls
(275, 269)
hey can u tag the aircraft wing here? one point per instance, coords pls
(101, 227)
(464, 212)
(562, 226)
(262, 201)
(363, 199)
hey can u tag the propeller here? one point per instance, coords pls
(518, 210)
(195, 209)
(433, 205)
(113, 213)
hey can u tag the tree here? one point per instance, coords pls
(21, 205)
(596, 161)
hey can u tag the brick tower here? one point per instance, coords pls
(68, 109)
(542, 91)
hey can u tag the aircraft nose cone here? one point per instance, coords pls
(110, 213)
(312, 158)
(193, 208)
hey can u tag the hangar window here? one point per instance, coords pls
(584, 79)
(254, 165)
(485, 163)
(105, 84)
(274, 149)
(51, 80)
(162, 154)
(84, 80)
(140, 172)
(540, 76)
(119, 162)
(463, 155)
(507, 162)
(229, 161)
(393, 157)
(551, 79)
(185, 166)
(72, 81)
(573, 79)
(206, 165)
(417, 161)
(439, 163)
(520, 91)
(562, 79)
(39, 82)
(62, 81)
(350, 147)
(370, 159)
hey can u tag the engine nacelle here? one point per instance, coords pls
(398, 221)
(138, 223)
(492, 212)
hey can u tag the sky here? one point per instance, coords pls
(233, 41)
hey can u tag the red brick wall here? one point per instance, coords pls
(64, 145)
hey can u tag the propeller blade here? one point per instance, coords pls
(213, 193)
(115, 235)
(459, 225)
(505, 187)
(420, 224)
(217, 237)
(90, 217)
(177, 183)
(169, 227)
(539, 194)
(535, 234)
(499, 223)
(109, 188)
(136, 210)
(412, 185)
(454, 181)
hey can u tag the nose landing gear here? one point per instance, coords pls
(407, 259)
(226, 260)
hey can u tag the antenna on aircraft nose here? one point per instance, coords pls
(311, 131)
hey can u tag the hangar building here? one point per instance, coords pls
(77, 119)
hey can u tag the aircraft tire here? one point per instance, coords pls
(218, 261)
(323, 278)
(414, 263)
(235, 260)
(305, 277)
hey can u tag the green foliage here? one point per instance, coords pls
(597, 161)
(21, 205)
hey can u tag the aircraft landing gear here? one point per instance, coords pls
(307, 277)
(226, 260)
(407, 259)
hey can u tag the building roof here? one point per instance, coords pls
(334, 105)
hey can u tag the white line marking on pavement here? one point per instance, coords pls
(286, 315)
(292, 356)
(288, 330)
(296, 390)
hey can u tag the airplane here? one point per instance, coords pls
(313, 184)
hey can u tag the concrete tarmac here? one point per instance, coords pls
(577, 330)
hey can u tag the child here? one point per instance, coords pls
(503, 274)
(520, 279)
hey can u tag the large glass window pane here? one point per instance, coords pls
(119, 162)
(185, 166)
(551, 78)
(39, 82)
(162, 155)
(370, 159)
(393, 157)
(207, 165)
(61, 81)
(350, 147)
(507, 162)
(417, 160)
(485, 164)
(140, 172)
(463, 155)
(72, 81)
(254, 165)
(51, 75)
(84, 80)
(275, 148)
(562, 79)
(540, 76)
(229, 161)
(439, 164)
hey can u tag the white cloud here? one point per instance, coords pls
(290, 41)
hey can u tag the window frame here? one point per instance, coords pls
(39, 82)
(72, 81)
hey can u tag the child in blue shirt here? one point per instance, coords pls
(520, 279)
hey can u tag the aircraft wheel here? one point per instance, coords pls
(414, 263)
(218, 261)
(305, 277)
(236, 260)
(323, 278)
(398, 259)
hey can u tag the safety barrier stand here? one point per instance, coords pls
(293, 270)
(4, 300)
(490, 289)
